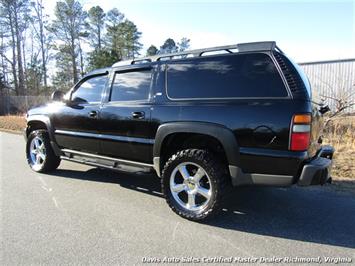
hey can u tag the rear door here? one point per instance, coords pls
(125, 125)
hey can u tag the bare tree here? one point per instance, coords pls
(39, 22)
(7, 23)
(334, 87)
(19, 10)
(3, 49)
(342, 102)
(14, 15)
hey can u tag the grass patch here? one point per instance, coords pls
(12, 123)
(340, 133)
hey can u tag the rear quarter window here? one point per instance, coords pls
(237, 76)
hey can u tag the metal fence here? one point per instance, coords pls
(335, 78)
(20, 104)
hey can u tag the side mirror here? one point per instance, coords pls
(57, 96)
(324, 109)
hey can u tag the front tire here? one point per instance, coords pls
(39, 152)
(194, 184)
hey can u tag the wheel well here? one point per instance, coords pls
(34, 125)
(180, 141)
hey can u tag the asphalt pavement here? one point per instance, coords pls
(84, 215)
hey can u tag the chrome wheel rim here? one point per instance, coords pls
(190, 186)
(37, 153)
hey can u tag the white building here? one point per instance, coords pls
(335, 78)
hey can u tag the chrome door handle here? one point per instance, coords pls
(138, 115)
(93, 114)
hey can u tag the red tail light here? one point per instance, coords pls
(300, 132)
(299, 141)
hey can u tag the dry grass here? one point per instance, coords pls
(12, 123)
(340, 133)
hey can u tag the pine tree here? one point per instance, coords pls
(96, 25)
(68, 28)
(168, 47)
(184, 44)
(152, 50)
(123, 39)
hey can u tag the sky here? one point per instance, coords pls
(304, 30)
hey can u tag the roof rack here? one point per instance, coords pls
(241, 47)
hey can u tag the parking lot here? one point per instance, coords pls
(85, 215)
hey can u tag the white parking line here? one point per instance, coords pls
(47, 189)
(55, 202)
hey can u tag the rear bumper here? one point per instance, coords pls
(317, 170)
(314, 171)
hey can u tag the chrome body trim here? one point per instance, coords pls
(105, 137)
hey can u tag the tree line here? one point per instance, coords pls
(75, 41)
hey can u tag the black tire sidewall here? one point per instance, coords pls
(188, 156)
(44, 137)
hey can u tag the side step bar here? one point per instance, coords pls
(106, 162)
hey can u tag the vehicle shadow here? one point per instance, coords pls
(305, 214)
(146, 183)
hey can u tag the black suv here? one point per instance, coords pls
(204, 120)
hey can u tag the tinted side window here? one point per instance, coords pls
(90, 90)
(243, 75)
(131, 86)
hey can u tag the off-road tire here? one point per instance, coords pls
(216, 172)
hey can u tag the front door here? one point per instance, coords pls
(76, 122)
(125, 117)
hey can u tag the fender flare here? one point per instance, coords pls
(224, 135)
(45, 120)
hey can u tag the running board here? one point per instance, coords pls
(106, 162)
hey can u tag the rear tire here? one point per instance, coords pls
(194, 184)
(39, 152)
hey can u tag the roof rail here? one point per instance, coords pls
(241, 47)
